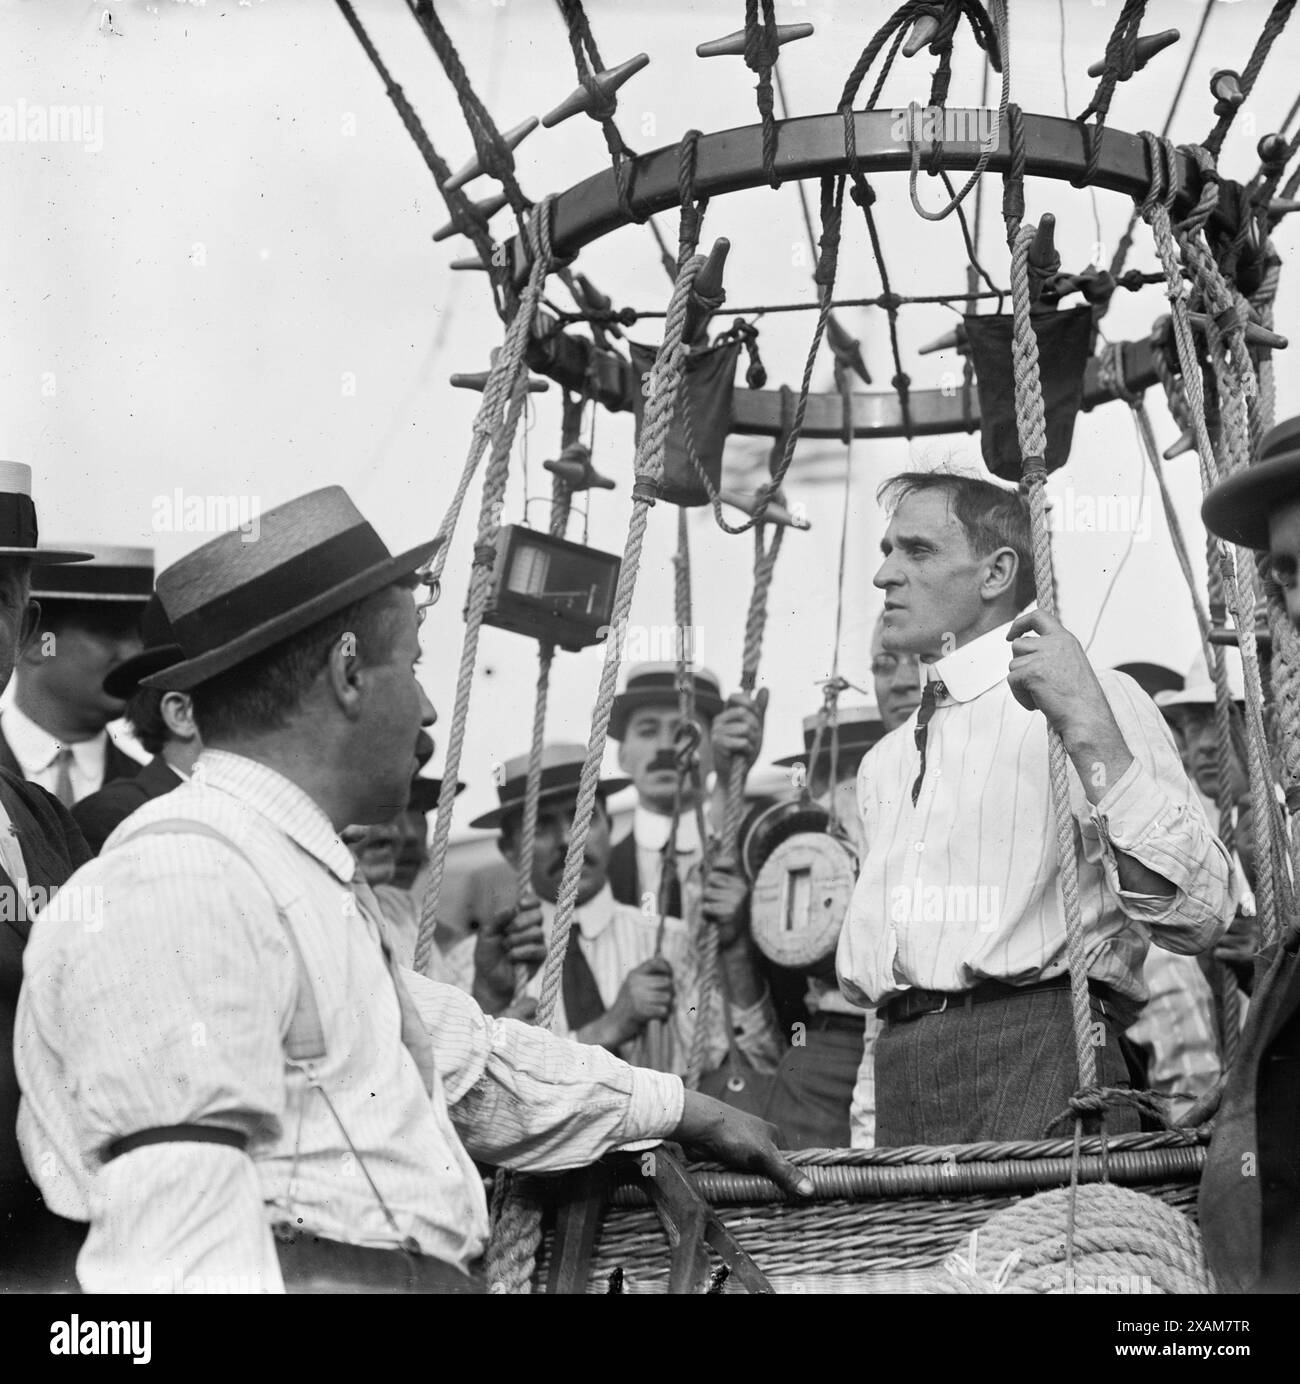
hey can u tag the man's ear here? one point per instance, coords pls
(509, 848)
(343, 675)
(177, 712)
(29, 647)
(1000, 577)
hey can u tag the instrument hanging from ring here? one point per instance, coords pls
(803, 872)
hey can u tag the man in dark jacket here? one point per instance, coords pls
(163, 723)
(40, 846)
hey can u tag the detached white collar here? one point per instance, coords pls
(975, 668)
(650, 830)
(591, 918)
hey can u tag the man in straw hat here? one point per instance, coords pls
(206, 1090)
(55, 731)
(1250, 1191)
(40, 847)
(163, 723)
(625, 965)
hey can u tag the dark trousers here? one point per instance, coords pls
(38, 1250)
(1000, 1070)
(813, 1087)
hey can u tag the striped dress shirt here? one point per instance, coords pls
(173, 1008)
(616, 938)
(964, 886)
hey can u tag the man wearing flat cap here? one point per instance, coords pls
(205, 1091)
(40, 847)
(163, 723)
(1251, 1223)
(55, 730)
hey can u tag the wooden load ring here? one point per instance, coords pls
(804, 881)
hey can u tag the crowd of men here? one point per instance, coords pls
(211, 1020)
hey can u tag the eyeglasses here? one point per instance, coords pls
(886, 665)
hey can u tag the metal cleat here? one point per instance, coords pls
(775, 513)
(707, 292)
(1146, 49)
(1186, 443)
(847, 349)
(574, 468)
(922, 35)
(1255, 335)
(733, 46)
(1225, 87)
(487, 209)
(512, 140)
(955, 340)
(607, 82)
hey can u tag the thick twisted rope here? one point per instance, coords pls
(1158, 216)
(507, 378)
(1273, 26)
(517, 1234)
(761, 54)
(1120, 64)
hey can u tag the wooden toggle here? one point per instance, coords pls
(512, 140)
(1255, 334)
(955, 340)
(1186, 443)
(733, 46)
(922, 35)
(1146, 49)
(707, 292)
(1273, 151)
(607, 81)
(1282, 206)
(469, 262)
(1225, 87)
(775, 513)
(479, 380)
(847, 349)
(574, 468)
(487, 209)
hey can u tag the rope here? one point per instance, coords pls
(1209, 282)
(517, 1234)
(508, 378)
(1273, 26)
(761, 53)
(1121, 62)
(494, 154)
(465, 216)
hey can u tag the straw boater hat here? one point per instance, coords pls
(1152, 678)
(654, 684)
(114, 575)
(561, 771)
(859, 727)
(18, 520)
(1198, 686)
(1238, 509)
(231, 599)
(160, 651)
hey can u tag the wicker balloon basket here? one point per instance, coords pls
(880, 1220)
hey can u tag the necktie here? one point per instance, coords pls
(930, 694)
(673, 902)
(582, 1001)
(415, 1036)
(63, 777)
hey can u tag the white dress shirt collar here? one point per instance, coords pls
(650, 829)
(591, 918)
(976, 667)
(35, 748)
(283, 803)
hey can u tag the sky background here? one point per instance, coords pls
(237, 294)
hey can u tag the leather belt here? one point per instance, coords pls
(310, 1263)
(836, 1021)
(176, 1134)
(913, 1004)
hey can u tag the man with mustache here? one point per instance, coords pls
(625, 966)
(956, 930)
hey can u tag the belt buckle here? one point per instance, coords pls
(942, 1006)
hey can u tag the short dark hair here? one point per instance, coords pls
(991, 517)
(512, 823)
(263, 692)
(143, 713)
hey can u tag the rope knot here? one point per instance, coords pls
(863, 194)
(485, 555)
(1033, 472)
(600, 107)
(901, 382)
(646, 491)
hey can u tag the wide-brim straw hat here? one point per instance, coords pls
(1238, 508)
(237, 595)
(160, 651)
(561, 774)
(18, 529)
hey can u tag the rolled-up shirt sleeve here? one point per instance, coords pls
(1152, 814)
(522, 1098)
